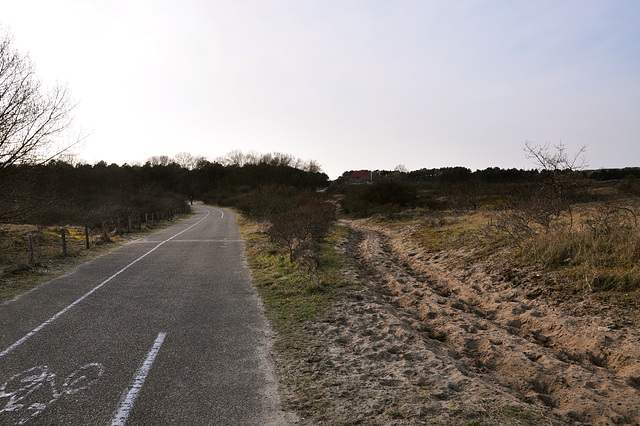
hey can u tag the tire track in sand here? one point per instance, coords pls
(419, 343)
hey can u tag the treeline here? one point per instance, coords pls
(460, 188)
(454, 175)
(60, 192)
(451, 175)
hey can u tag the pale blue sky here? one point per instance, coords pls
(360, 84)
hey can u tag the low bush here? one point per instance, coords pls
(384, 197)
(299, 229)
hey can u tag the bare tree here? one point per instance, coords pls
(233, 158)
(541, 205)
(558, 160)
(557, 167)
(159, 160)
(312, 166)
(188, 161)
(31, 118)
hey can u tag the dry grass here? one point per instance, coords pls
(600, 250)
(594, 248)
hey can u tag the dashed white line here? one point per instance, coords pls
(90, 292)
(126, 404)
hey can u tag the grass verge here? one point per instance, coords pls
(293, 296)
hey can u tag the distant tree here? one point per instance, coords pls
(312, 166)
(188, 161)
(159, 160)
(234, 158)
(452, 175)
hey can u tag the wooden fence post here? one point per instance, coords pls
(104, 232)
(32, 258)
(64, 241)
(86, 235)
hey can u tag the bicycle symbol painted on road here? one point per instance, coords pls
(29, 393)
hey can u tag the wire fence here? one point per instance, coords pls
(100, 232)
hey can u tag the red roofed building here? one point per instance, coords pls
(361, 178)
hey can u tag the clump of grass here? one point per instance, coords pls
(509, 414)
(625, 281)
(491, 414)
(600, 248)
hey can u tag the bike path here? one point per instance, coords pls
(164, 330)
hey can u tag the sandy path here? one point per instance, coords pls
(422, 343)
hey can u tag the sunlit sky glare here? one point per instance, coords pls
(362, 84)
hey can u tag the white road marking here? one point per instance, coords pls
(29, 393)
(190, 241)
(90, 292)
(207, 241)
(126, 404)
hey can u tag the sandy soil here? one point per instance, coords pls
(432, 338)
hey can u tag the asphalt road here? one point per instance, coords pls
(166, 330)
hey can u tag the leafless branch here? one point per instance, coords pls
(31, 118)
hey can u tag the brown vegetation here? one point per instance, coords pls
(511, 303)
(439, 318)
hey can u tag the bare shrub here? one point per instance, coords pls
(603, 247)
(299, 229)
(544, 208)
(608, 218)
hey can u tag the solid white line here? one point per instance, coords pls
(207, 241)
(126, 404)
(90, 292)
(191, 241)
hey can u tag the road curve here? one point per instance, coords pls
(165, 330)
